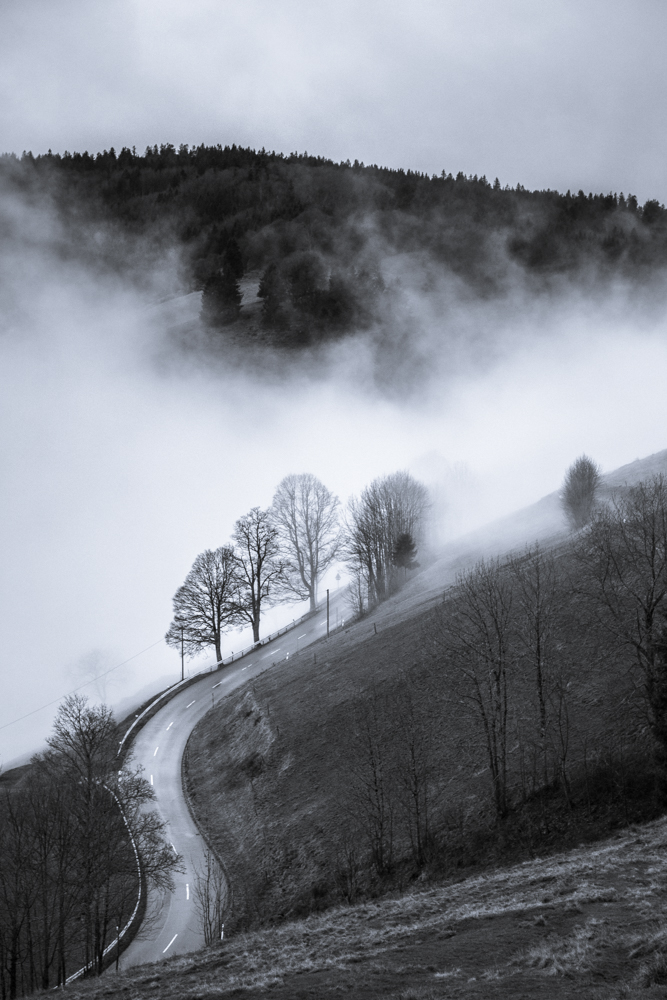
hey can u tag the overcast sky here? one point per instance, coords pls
(116, 472)
(565, 94)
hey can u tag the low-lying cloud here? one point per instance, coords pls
(125, 455)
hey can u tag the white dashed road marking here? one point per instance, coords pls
(191, 703)
(187, 891)
(156, 750)
(151, 779)
(216, 685)
(170, 944)
(169, 726)
(302, 636)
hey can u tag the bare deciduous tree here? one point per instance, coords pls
(73, 835)
(210, 891)
(414, 764)
(260, 569)
(474, 631)
(207, 603)
(390, 507)
(536, 613)
(623, 556)
(373, 789)
(305, 514)
(579, 492)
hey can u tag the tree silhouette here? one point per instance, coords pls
(580, 489)
(404, 552)
(305, 513)
(206, 604)
(221, 299)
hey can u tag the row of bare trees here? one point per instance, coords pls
(282, 552)
(76, 843)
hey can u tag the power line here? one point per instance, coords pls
(85, 684)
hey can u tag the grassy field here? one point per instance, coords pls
(589, 923)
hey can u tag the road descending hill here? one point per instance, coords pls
(172, 925)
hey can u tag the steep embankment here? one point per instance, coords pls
(279, 772)
(587, 924)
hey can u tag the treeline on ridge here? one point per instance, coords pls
(314, 233)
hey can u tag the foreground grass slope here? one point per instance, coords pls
(587, 924)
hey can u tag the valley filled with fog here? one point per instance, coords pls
(127, 449)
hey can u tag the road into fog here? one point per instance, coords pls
(171, 925)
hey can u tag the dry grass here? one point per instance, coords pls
(601, 934)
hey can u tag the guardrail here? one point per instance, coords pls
(120, 934)
(215, 666)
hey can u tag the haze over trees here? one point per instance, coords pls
(281, 553)
(313, 233)
(390, 507)
(580, 491)
(306, 516)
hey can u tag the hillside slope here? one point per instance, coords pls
(586, 924)
(278, 773)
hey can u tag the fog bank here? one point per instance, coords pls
(123, 456)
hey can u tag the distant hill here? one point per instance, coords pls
(294, 250)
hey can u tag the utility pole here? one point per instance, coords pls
(327, 612)
(182, 659)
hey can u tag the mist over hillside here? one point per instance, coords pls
(134, 434)
(298, 252)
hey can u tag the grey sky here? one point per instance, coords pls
(566, 94)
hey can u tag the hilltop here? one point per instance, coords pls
(293, 251)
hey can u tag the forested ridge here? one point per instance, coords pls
(315, 235)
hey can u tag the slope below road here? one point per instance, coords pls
(171, 925)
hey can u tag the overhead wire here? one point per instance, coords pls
(91, 680)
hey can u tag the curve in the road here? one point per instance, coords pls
(171, 925)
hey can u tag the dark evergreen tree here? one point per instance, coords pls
(276, 306)
(404, 552)
(221, 299)
(233, 259)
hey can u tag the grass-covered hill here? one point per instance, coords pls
(361, 766)
(584, 925)
(313, 237)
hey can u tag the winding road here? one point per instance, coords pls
(171, 925)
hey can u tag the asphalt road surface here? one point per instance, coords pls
(171, 925)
